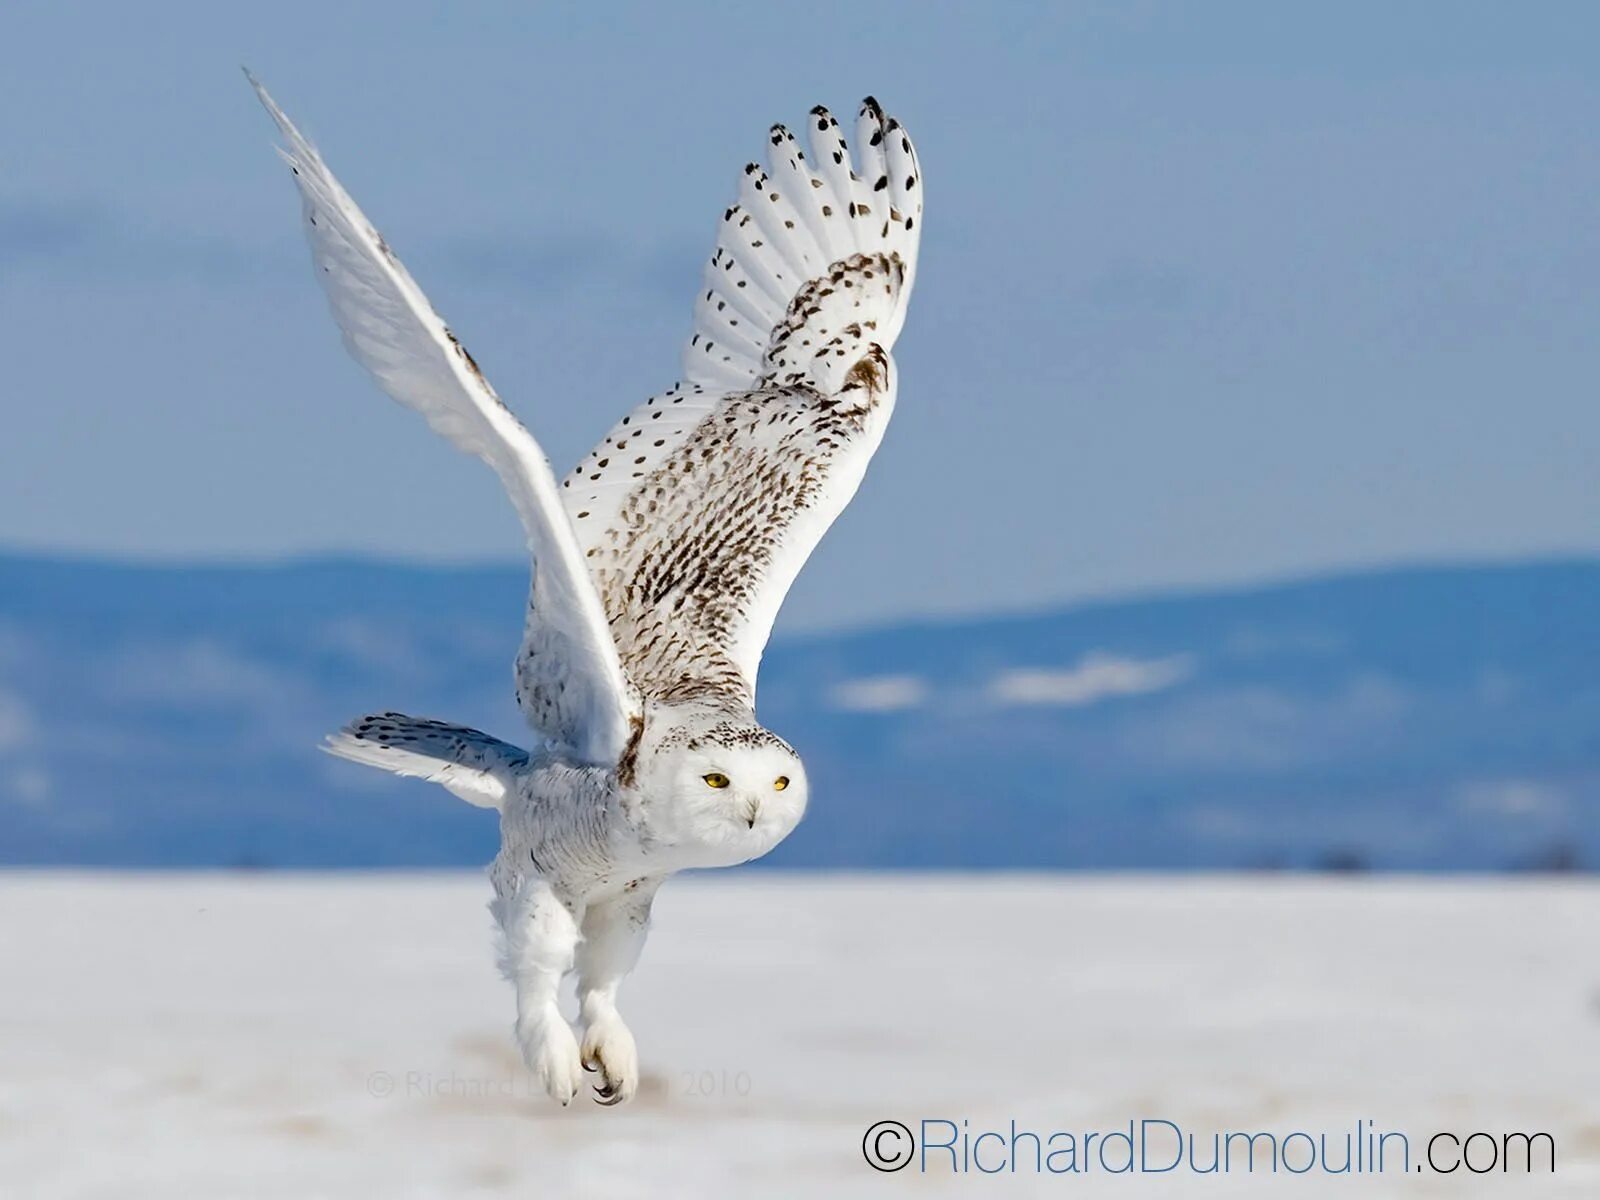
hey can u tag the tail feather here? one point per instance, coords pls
(473, 765)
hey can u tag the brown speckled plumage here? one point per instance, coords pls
(681, 561)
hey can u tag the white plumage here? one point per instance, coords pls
(659, 563)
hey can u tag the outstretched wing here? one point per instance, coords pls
(700, 507)
(569, 680)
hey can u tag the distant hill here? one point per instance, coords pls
(1430, 718)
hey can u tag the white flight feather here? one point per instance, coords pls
(577, 694)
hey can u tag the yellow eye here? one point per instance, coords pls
(781, 782)
(716, 779)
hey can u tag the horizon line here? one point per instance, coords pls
(1154, 593)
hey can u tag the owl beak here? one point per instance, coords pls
(750, 815)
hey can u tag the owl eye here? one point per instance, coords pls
(715, 779)
(781, 782)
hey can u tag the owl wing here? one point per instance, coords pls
(570, 681)
(699, 508)
(473, 765)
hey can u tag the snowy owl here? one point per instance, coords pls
(659, 563)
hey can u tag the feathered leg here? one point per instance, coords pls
(541, 937)
(614, 932)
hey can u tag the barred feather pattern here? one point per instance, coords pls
(693, 564)
(698, 509)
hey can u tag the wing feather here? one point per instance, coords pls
(473, 765)
(699, 508)
(570, 679)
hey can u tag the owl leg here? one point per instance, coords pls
(541, 936)
(614, 931)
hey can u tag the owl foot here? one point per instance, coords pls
(609, 1050)
(551, 1053)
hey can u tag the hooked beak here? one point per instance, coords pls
(750, 816)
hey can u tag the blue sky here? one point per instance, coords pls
(1209, 293)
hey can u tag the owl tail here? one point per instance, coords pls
(478, 768)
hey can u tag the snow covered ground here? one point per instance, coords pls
(343, 1035)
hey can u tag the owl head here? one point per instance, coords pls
(724, 793)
